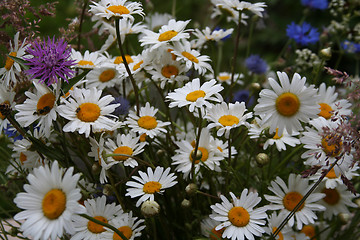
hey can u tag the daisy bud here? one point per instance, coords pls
(357, 201)
(107, 190)
(185, 203)
(262, 159)
(95, 168)
(344, 217)
(191, 188)
(13, 231)
(160, 152)
(325, 53)
(150, 208)
(198, 155)
(255, 86)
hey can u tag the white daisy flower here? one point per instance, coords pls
(146, 122)
(329, 105)
(40, 107)
(208, 226)
(98, 209)
(222, 148)
(87, 111)
(207, 155)
(156, 20)
(194, 95)
(50, 200)
(238, 217)
(225, 77)
(336, 200)
(322, 150)
(286, 105)
(104, 76)
(139, 62)
(128, 225)
(87, 61)
(274, 222)
(116, 8)
(287, 197)
(256, 8)
(12, 68)
(125, 144)
(257, 131)
(225, 117)
(208, 34)
(149, 184)
(192, 57)
(6, 97)
(174, 31)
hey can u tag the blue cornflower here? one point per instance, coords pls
(11, 132)
(256, 64)
(50, 60)
(244, 96)
(123, 109)
(315, 4)
(303, 34)
(350, 47)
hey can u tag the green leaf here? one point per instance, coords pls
(74, 80)
(47, 151)
(20, 61)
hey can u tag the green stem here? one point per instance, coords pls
(194, 155)
(219, 58)
(173, 9)
(235, 56)
(81, 23)
(318, 71)
(250, 36)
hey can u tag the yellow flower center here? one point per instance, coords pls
(325, 110)
(203, 152)
(2, 117)
(107, 75)
(228, 120)
(220, 149)
(224, 77)
(119, 59)
(280, 235)
(216, 234)
(142, 137)
(118, 9)
(137, 66)
(126, 230)
(97, 228)
(122, 150)
(331, 174)
(332, 149)
(309, 231)
(147, 122)
(291, 199)
(276, 136)
(166, 36)
(332, 196)
(238, 216)
(190, 57)
(54, 203)
(152, 187)
(169, 70)
(45, 103)
(23, 158)
(9, 62)
(287, 104)
(84, 63)
(193, 96)
(88, 112)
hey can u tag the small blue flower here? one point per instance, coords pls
(123, 109)
(219, 29)
(350, 47)
(303, 34)
(256, 64)
(315, 4)
(244, 96)
(11, 132)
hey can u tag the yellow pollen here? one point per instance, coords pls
(190, 57)
(169, 70)
(331, 174)
(291, 199)
(280, 235)
(107, 75)
(325, 111)
(287, 104)
(88, 112)
(45, 104)
(216, 234)
(143, 137)
(122, 150)
(9, 62)
(2, 117)
(84, 63)
(204, 155)
(224, 78)
(147, 122)
(173, 56)
(152, 187)
(23, 158)
(168, 35)
(332, 196)
(332, 150)
(193, 96)
(118, 9)
(309, 231)
(137, 66)
(119, 59)
(97, 228)
(276, 136)
(54, 203)
(126, 230)
(238, 216)
(228, 120)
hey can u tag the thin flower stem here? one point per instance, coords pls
(235, 56)
(296, 208)
(229, 162)
(133, 82)
(105, 225)
(207, 194)
(81, 23)
(173, 10)
(250, 36)
(219, 58)
(194, 155)
(321, 66)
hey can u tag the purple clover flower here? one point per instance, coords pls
(315, 4)
(50, 60)
(303, 34)
(256, 64)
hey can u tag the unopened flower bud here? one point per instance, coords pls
(325, 53)
(107, 190)
(160, 152)
(357, 202)
(185, 203)
(344, 217)
(255, 86)
(150, 208)
(262, 159)
(191, 188)
(198, 155)
(95, 168)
